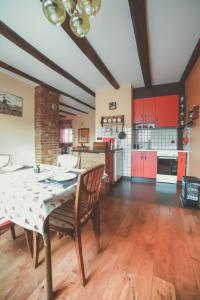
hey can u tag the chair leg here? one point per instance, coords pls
(12, 229)
(96, 224)
(29, 240)
(79, 254)
(36, 248)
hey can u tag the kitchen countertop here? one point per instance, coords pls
(160, 150)
(96, 151)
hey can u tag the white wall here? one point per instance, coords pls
(84, 121)
(123, 98)
(17, 133)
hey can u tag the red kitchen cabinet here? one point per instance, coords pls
(150, 164)
(167, 111)
(137, 111)
(144, 164)
(144, 110)
(149, 107)
(137, 163)
(182, 158)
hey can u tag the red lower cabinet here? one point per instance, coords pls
(150, 164)
(144, 164)
(182, 158)
(137, 163)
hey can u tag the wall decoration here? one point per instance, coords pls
(83, 135)
(11, 104)
(112, 105)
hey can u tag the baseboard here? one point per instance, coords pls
(142, 179)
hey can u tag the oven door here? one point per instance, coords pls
(167, 165)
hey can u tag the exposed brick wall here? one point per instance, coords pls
(46, 126)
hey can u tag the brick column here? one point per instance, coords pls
(46, 125)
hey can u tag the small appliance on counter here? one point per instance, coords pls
(190, 194)
(101, 146)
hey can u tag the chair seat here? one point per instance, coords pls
(62, 218)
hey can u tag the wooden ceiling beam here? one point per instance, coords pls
(195, 55)
(158, 90)
(12, 36)
(31, 78)
(66, 112)
(71, 107)
(139, 20)
(85, 46)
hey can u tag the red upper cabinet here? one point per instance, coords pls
(150, 164)
(149, 105)
(182, 158)
(167, 111)
(137, 111)
(163, 111)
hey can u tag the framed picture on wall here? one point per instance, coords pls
(11, 104)
(83, 135)
(112, 105)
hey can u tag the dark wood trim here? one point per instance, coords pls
(24, 45)
(69, 106)
(85, 46)
(66, 112)
(158, 90)
(31, 78)
(195, 55)
(139, 20)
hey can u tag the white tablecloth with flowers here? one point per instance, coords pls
(26, 201)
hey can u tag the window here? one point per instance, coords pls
(66, 136)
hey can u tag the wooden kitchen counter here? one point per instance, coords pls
(91, 158)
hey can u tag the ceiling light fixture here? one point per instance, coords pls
(79, 11)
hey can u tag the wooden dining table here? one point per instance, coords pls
(28, 198)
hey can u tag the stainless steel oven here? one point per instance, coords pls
(167, 167)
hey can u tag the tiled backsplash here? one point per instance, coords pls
(156, 139)
(126, 144)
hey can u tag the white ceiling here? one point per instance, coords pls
(174, 28)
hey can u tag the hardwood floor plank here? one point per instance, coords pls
(185, 280)
(162, 289)
(163, 263)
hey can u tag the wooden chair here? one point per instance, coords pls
(68, 161)
(4, 224)
(32, 246)
(74, 214)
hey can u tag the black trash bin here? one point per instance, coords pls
(190, 193)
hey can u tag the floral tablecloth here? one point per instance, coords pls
(26, 201)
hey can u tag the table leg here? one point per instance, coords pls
(47, 246)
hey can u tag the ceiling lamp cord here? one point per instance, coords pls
(79, 11)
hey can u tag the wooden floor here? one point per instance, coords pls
(150, 250)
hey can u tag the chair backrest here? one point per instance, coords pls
(4, 160)
(68, 161)
(87, 195)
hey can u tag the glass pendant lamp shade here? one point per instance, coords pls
(54, 11)
(90, 7)
(69, 5)
(79, 24)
